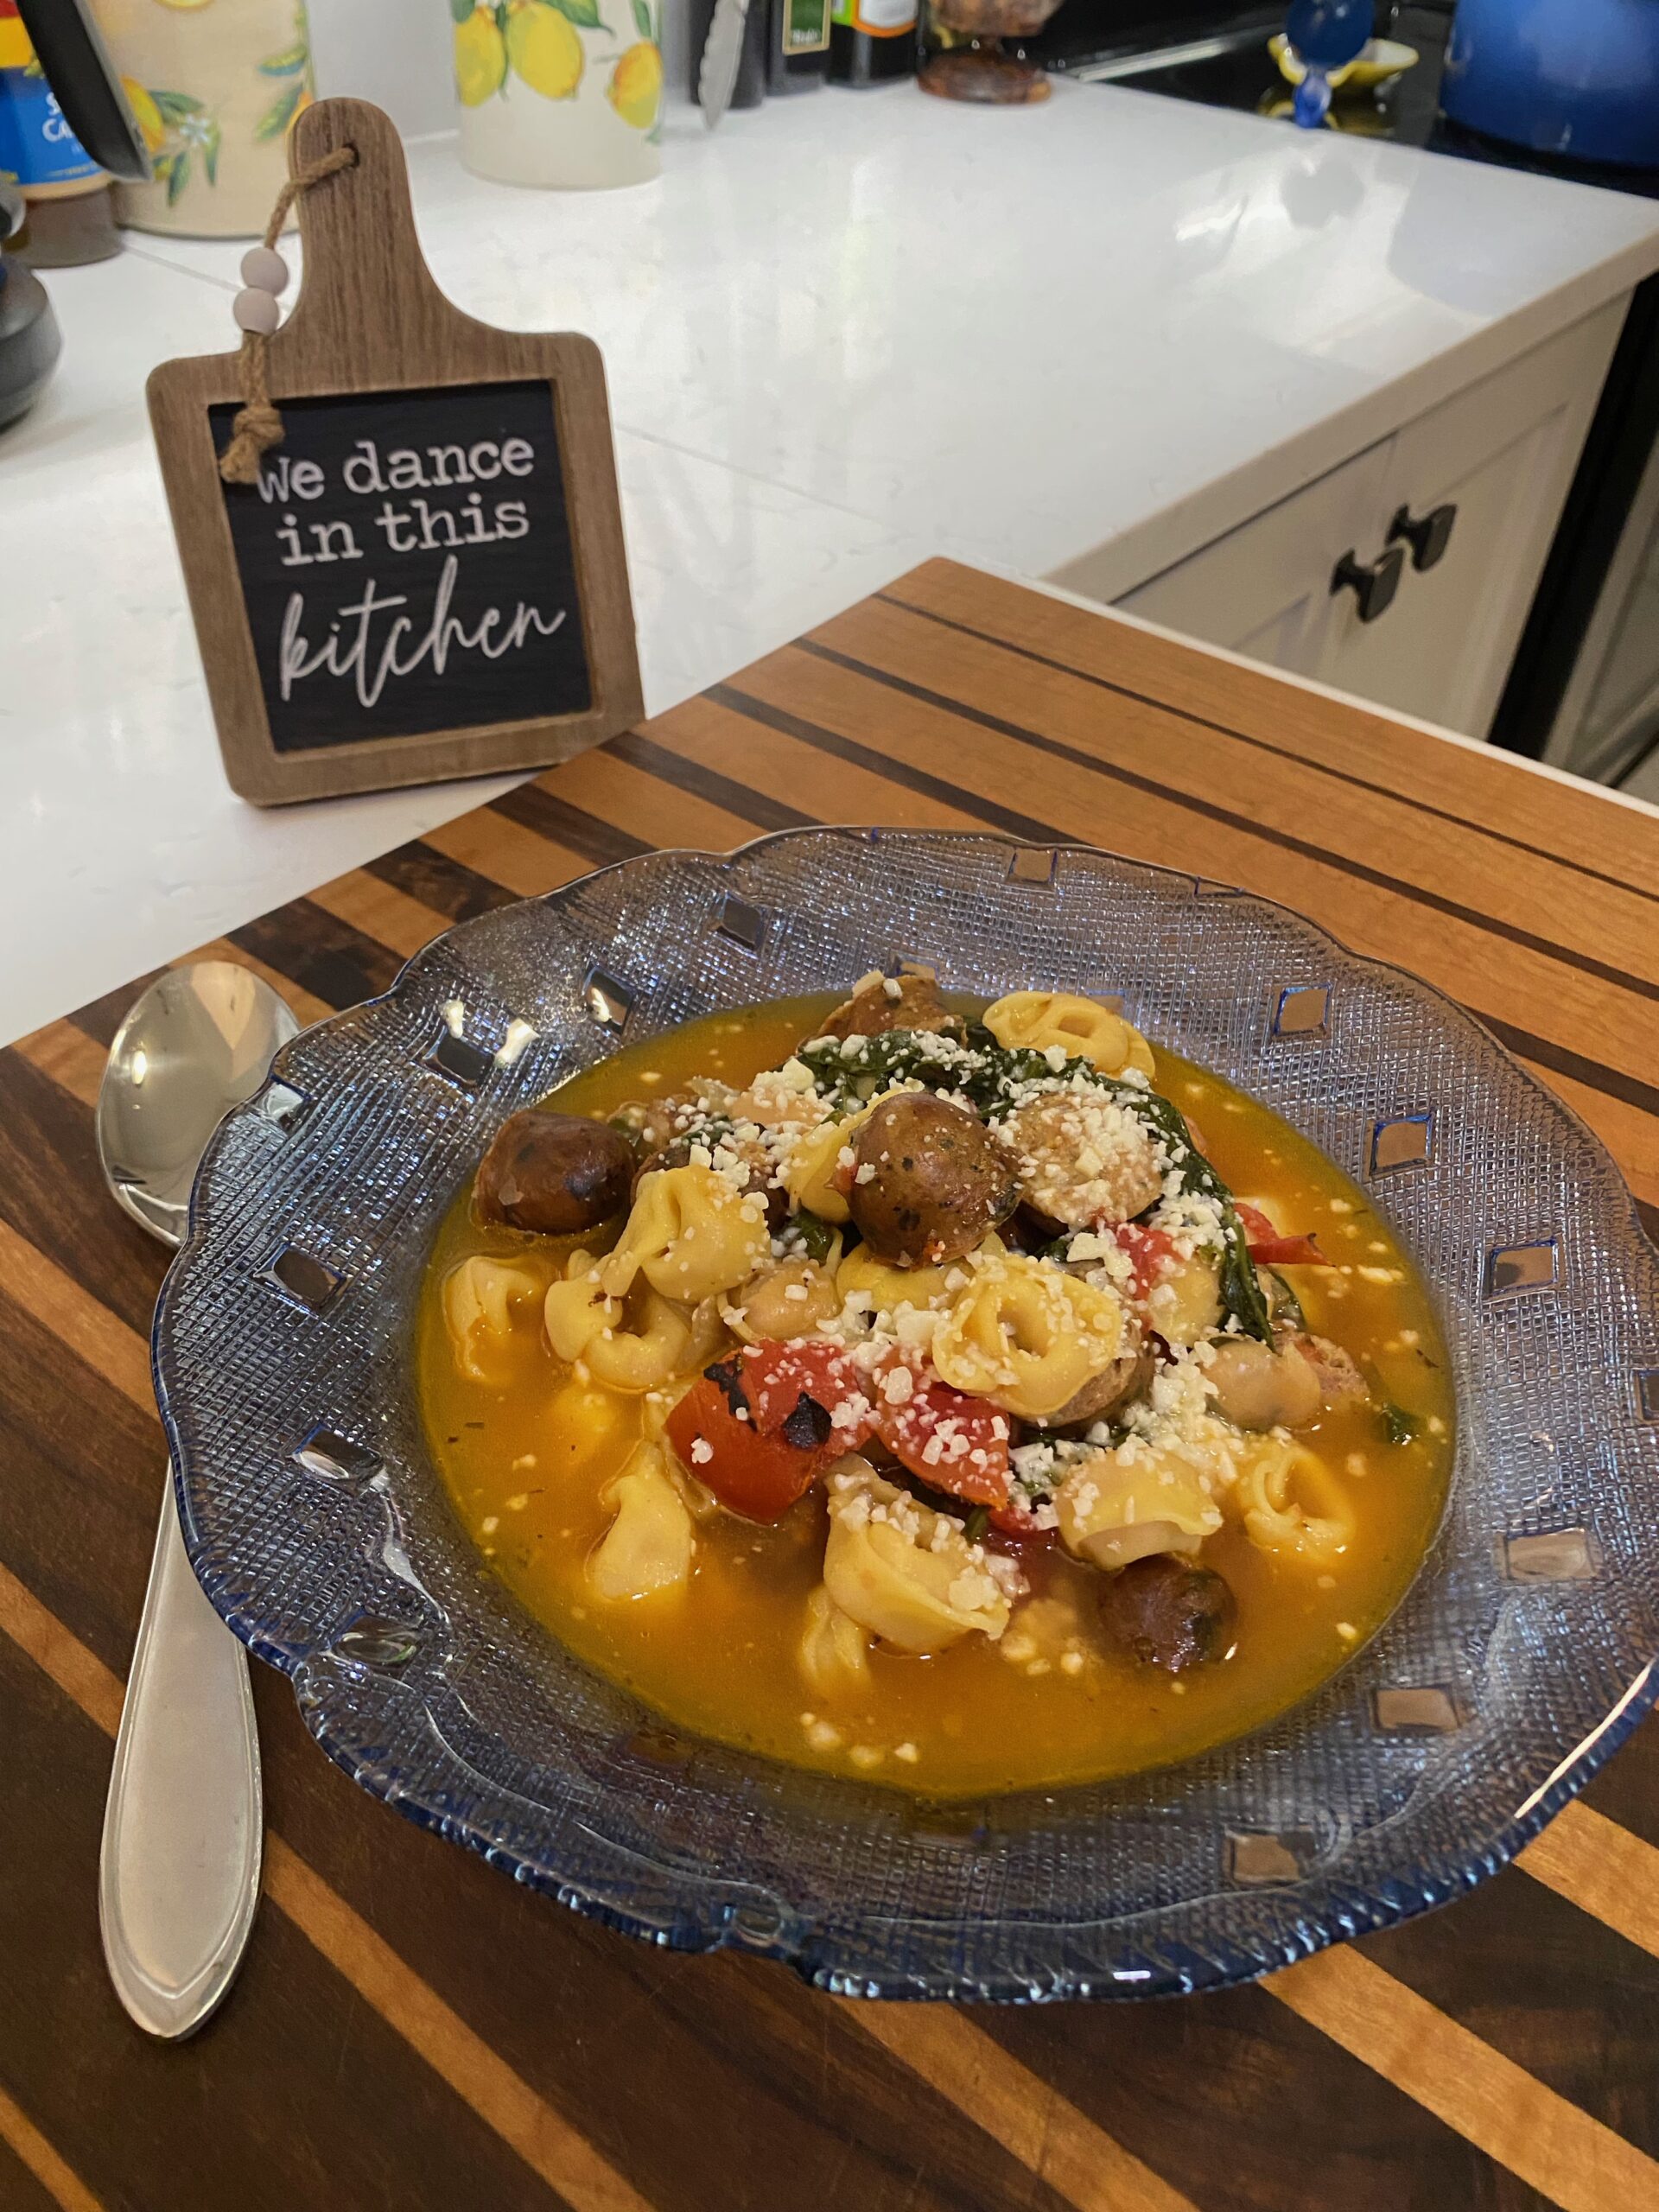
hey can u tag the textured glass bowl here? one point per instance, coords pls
(1521, 1656)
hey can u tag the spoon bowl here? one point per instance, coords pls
(198, 1042)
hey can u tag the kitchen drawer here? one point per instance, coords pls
(1501, 453)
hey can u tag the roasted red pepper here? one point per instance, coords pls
(760, 1477)
(1151, 1253)
(1268, 1247)
(777, 1377)
(950, 1441)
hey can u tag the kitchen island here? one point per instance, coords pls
(1079, 342)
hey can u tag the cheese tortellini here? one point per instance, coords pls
(834, 1649)
(648, 1549)
(479, 1299)
(1110, 1514)
(1292, 1504)
(906, 1574)
(815, 1161)
(635, 1343)
(1026, 1336)
(690, 1234)
(888, 1288)
(1081, 1027)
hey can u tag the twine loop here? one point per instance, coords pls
(258, 425)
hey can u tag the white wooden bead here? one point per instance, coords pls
(264, 269)
(257, 311)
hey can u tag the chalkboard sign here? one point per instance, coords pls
(406, 565)
(428, 580)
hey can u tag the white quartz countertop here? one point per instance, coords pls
(842, 333)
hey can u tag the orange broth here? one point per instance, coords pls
(525, 1459)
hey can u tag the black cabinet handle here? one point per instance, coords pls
(1373, 583)
(1427, 535)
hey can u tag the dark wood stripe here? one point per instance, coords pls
(533, 806)
(329, 958)
(1306, 2127)
(749, 805)
(1402, 887)
(101, 1018)
(101, 1478)
(419, 872)
(695, 2076)
(1264, 745)
(880, 764)
(1627, 1789)
(296, 2095)
(1592, 1073)
(1548, 1985)
(52, 1193)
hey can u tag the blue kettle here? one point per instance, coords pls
(1574, 77)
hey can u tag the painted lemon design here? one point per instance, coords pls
(145, 114)
(545, 49)
(636, 87)
(480, 58)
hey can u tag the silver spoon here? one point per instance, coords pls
(179, 1869)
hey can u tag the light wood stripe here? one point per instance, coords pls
(381, 911)
(1485, 788)
(100, 1338)
(554, 2150)
(1516, 982)
(629, 798)
(68, 1057)
(64, 2186)
(711, 735)
(1017, 2108)
(1601, 1868)
(520, 859)
(1573, 2160)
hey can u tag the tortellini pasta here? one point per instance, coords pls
(690, 1234)
(1082, 1027)
(889, 1288)
(1026, 1336)
(633, 1343)
(1292, 1504)
(834, 1650)
(480, 1298)
(1185, 1304)
(648, 1549)
(809, 1173)
(577, 1309)
(904, 1574)
(1110, 1514)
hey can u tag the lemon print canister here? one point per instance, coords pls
(561, 92)
(215, 85)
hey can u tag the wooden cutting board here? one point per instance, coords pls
(412, 2031)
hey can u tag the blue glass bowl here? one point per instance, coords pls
(1522, 1655)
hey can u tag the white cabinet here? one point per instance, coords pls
(1501, 453)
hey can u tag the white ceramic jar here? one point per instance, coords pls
(215, 85)
(561, 92)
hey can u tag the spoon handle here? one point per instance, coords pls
(178, 1871)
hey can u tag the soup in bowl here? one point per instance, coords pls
(969, 1397)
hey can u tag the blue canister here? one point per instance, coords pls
(1574, 77)
(37, 148)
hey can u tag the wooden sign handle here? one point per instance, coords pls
(367, 293)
